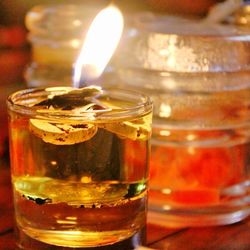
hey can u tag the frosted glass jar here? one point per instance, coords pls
(198, 77)
(56, 33)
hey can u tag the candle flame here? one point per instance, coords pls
(100, 43)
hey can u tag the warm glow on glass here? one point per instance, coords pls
(165, 110)
(99, 45)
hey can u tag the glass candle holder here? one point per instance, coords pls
(76, 179)
(56, 34)
(198, 77)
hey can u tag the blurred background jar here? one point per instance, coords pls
(56, 33)
(198, 76)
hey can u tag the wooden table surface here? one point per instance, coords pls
(233, 237)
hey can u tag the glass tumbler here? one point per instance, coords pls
(79, 162)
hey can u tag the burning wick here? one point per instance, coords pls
(100, 43)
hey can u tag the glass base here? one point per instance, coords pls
(24, 242)
(177, 219)
(199, 207)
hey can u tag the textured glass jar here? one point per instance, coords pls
(56, 33)
(198, 77)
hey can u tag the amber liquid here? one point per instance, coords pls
(79, 214)
(79, 185)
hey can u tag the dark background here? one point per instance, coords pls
(13, 11)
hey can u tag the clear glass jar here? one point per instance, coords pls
(198, 77)
(56, 33)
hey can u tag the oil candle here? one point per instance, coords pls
(198, 77)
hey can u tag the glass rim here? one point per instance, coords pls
(144, 105)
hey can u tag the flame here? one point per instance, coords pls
(100, 43)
